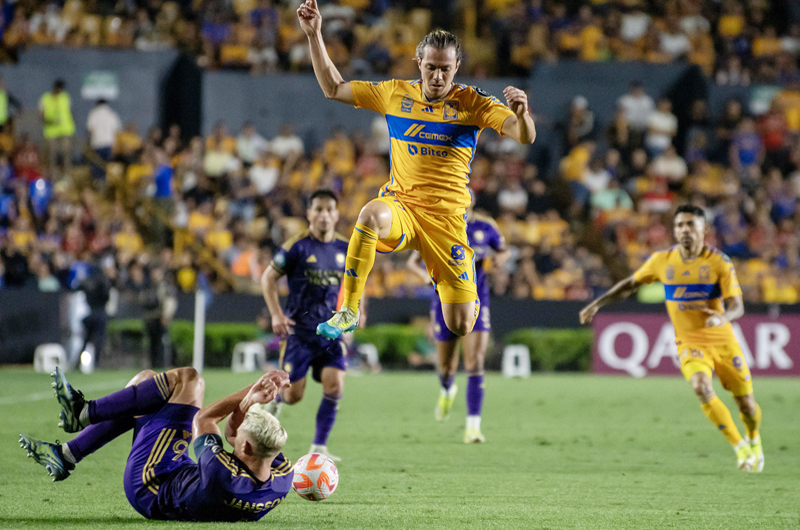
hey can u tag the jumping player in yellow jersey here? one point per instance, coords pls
(434, 125)
(702, 296)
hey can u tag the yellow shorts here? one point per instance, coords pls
(725, 359)
(442, 244)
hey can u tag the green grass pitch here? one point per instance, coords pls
(563, 451)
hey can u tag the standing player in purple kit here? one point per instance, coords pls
(483, 234)
(161, 481)
(313, 261)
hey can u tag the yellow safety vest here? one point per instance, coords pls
(57, 115)
(3, 107)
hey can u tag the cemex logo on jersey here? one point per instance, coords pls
(418, 130)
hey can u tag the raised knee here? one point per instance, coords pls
(370, 216)
(189, 376)
(141, 376)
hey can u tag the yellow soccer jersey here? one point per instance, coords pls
(691, 286)
(432, 143)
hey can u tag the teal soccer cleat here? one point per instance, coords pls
(342, 321)
(71, 402)
(48, 455)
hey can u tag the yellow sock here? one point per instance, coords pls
(718, 413)
(752, 424)
(360, 259)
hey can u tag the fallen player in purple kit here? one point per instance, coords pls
(161, 480)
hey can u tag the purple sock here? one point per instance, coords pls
(96, 436)
(326, 415)
(135, 400)
(447, 381)
(474, 395)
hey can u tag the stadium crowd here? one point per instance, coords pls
(211, 212)
(735, 42)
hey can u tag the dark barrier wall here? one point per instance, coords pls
(30, 318)
(139, 78)
(270, 100)
(27, 319)
(273, 99)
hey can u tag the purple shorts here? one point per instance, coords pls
(160, 448)
(307, 349)
(440, 330)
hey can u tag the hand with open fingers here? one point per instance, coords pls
(715, 318)
(517, 100)
(310, 18)
(282, 325)
(587, 313)
(263, 391)
(279, 378)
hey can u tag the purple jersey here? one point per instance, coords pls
(315, 271)
(482, 235)
(162, 482)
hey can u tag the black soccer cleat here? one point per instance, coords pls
(48, 455)
(71, 402)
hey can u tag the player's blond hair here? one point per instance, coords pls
(265, 430)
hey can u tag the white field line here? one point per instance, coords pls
(40, 396)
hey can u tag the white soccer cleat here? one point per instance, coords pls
(746, 459)
(474, 436)
(323, 450)
(758, 450)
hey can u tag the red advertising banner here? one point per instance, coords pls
(644, 344)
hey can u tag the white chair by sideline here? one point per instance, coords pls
(248, 357)
(47, 357)
(516, 361)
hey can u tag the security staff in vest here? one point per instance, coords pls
(59, 127)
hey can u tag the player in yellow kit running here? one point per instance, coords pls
(434, 125)
(702, 296)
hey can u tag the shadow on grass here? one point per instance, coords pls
(15, 522)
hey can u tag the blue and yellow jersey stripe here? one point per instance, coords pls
(432, 143)
(690, 287)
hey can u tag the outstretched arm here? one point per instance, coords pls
(520, 126)
(620, 291)
(329, 78)
(262, 391)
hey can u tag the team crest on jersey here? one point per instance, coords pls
(406, 104)
(670, 273)
(450, 110)
(478, 235)
(705, 273)
(340, 258)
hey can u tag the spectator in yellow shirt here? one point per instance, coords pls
(128, 241)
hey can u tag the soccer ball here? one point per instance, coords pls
(315, 477)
